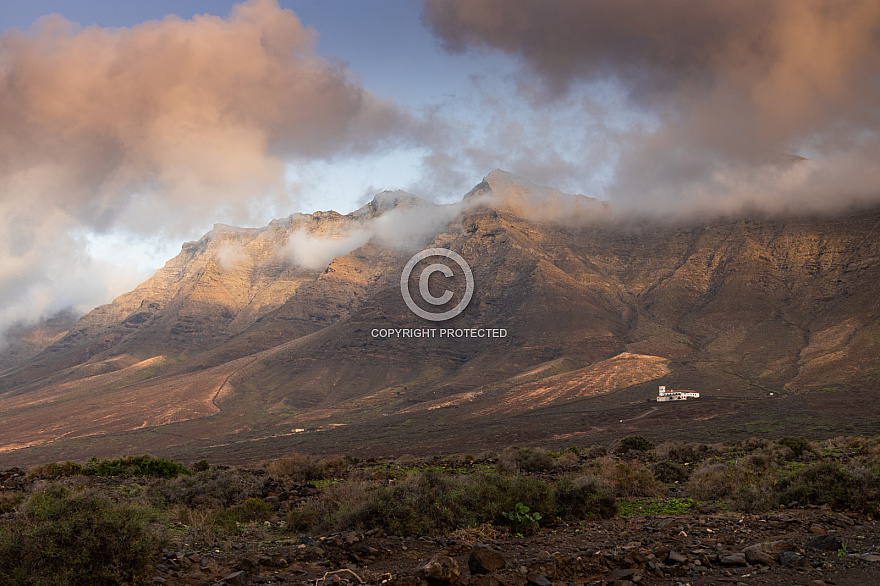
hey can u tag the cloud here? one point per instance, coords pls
(44, 269)
(230, 256)
(147, 129)
(719, 90)
(315, 252)
(404, 222)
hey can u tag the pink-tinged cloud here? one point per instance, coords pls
(151, 128)
(725, 86)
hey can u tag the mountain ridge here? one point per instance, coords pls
(739, 307)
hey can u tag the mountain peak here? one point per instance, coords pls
(507, 191)
(499, 178)
(386, 201)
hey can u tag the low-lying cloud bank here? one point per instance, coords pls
(408, 224)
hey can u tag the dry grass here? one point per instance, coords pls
(481, 533)
(201, 532)
(630, 478)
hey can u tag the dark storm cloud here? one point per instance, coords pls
(728, 87)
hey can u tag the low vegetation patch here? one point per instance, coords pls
(853, 486)
(62, 526)
(126, 466)
(655, 506)
(69, 538)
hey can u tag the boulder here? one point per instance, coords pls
(733, 559)
(792, 560)
(238, 578)
(485, 560)
(757, 556)
(676, 558)
(827, 542)
(438, 569)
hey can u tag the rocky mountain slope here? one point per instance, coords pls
(247, 341)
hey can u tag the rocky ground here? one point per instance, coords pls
(797, 545)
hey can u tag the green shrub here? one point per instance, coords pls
(798, 445)
(407, 508)
(670, 472)
(428, 502)
(514, 460)
(9, 501)
(136, 466)
(127, 466)
(431, 503)
(634, 442)
(302, 468)
(831, 483)
(303, 519)
(535, 460)
(584, 498)
(630, 478)
(209, 489)
(253, 510)
(683, 452)
(483, 498)
(508, 461)
(712, 480)
(740, 485)
(70, 539)
(594, 452)
(55, 469)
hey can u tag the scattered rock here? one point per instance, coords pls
(539, 581)
(246, 564)
(438, 569)
(484, 560)
(734, 559)
(629, 574)
(367, 550)
(777, 546)
(825, 543)
(792, 560)
(351, 538)
(757, 556)
(238, 578)
(676, 558)
(842, 520)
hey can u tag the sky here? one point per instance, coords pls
(127, 128)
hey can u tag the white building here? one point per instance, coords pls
(671, 395)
